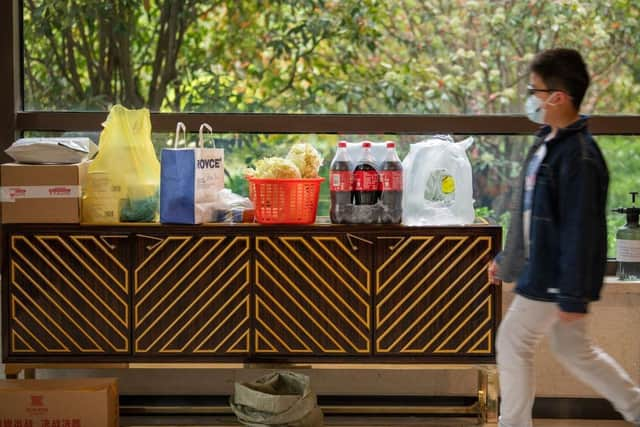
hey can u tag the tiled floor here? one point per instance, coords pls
(579, 423)
(337, 421)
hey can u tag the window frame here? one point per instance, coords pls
(15, 121)
(324, 123)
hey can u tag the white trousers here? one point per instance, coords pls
(525, 323)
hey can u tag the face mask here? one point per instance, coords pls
(534, 110)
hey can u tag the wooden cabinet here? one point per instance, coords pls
(248, 293)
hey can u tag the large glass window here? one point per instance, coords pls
(422, 57)
(495, 160)
(320, 56)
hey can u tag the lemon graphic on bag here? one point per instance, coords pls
(448, 184)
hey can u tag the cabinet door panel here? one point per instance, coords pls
(192, 295)
(68, 294)
(313, 295)
(433, 296)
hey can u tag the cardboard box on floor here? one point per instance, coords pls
(82, 402)
(42, 193)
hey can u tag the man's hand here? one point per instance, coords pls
(566, 316)
(493, 273)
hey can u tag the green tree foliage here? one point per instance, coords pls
(417, 56)
(331, 56)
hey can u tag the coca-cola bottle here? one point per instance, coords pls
(366, 178)
(391, 187)
(340, 185)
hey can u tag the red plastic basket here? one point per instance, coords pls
(285, 201)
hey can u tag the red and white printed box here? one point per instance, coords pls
(81, 402)
(42, 193)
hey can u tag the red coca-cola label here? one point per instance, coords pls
(367, 180)
(391, 181)
(340, 181)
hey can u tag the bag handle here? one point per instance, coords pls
(201, 133)
(180, 127)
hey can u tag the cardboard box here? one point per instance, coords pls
(84, 402)
(42, 193)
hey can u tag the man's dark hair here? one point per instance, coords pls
(563, 69)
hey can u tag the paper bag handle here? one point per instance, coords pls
(201, 133)
(180, 127)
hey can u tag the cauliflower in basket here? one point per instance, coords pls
(306, 158)
(275, 167)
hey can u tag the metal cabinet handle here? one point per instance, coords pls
(352, 237)
(103, 238)
(157, 240)
(399, 239)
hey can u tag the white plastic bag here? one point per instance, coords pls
(52, 150)
(438, 187)
(231, 207)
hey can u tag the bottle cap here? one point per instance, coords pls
(342, 144)
(391, 144)
(366, 144)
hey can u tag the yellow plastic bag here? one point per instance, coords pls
(123, 180)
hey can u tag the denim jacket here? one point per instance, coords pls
(568, 236)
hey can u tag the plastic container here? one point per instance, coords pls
(285, 201)
(628, 243)
(340, 184)
(101, 204)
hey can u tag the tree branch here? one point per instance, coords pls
(75, 81)
(132, 99)
(161, 48)
(86, 50)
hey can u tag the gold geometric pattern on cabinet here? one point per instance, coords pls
(192, 295)
(312, 296)
(68, 294)
(433, 297)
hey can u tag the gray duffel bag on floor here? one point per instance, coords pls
(280, 399)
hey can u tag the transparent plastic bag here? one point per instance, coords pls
(231, 207)
(438, 188)
(378, 150)
(123, 180)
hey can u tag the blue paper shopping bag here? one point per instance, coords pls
(190, 179)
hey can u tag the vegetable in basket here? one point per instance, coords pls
(306, 158)
(274, 167)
